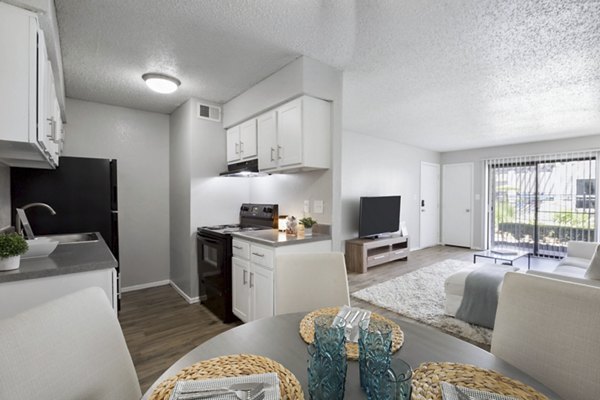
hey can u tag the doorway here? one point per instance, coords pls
(457, 204)
(430, 205)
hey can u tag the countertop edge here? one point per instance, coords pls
(251, 236)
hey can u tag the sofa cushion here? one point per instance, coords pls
(593, 271)
(569, 270)
(578, 262)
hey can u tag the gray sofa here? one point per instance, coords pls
(573, 267)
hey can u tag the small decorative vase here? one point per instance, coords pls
(307, 231)
(10, 263)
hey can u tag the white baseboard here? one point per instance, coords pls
(190, 300)
(414, 248)
(144, 286)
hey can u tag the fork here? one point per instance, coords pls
(242, 391)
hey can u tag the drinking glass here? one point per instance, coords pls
(392, 383)
(327, 362)
(374, 343)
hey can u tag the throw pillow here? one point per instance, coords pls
(593, 271)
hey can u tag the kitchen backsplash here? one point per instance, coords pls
(4, 196)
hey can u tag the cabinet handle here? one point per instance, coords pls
(272, 154)
(241, 147)
(378, 257)
(251, 280)
(258, 254)
(279, 151)
(238, 247)
(245, 279)
(237, 148)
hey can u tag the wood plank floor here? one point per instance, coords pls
(160, 326)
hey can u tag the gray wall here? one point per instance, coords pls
(377, 167)
(139, 140)
(199, 197)
(478, 155)
(4, 196)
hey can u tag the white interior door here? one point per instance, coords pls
(457, 194)
(430, 205)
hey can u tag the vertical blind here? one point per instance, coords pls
(538, 203)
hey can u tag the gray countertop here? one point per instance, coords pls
(274, 238)
(66, 259)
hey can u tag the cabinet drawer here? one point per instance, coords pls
(261, 256)
(240, 249)
(396, 254)
(378, 259)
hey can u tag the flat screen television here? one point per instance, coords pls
(378, 215)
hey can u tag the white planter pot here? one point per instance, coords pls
(307, 231)
(10, 263)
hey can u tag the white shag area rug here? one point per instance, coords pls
(420, 295)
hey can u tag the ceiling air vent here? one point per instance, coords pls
(211, 113)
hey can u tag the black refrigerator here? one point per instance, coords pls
(82, 191)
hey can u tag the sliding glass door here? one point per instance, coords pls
(538, 204)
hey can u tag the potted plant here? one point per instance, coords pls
(12, 246)
(308, 223)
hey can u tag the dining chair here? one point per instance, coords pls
(305, 282)
(69, 348)
(549, 329)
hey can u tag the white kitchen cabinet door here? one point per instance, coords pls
(233, 144)
(267, 141)
(248, 148)
(18, 74)
(261, 286)
(289, 133)
(240, 288)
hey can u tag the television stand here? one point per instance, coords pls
(366, 253)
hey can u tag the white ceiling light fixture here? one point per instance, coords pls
(161, 83)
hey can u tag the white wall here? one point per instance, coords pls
(378, 167)
(4, 196)
(139, 140)
(290, 191)
(478, 155)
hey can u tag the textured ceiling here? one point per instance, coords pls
(442, 75)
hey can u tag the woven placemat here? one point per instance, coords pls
(426, 381)
(233, 365)
(307, 330)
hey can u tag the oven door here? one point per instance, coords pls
(211, 262)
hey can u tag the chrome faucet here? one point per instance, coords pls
(22, 223)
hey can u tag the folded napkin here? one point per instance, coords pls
(452, 392)
(271, 381)
(352, 316)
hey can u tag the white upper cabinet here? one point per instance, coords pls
(295, 136)
(267, 141)
(233, 144)
(30, 122)
(241, 142)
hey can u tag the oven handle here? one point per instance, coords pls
(207, 240)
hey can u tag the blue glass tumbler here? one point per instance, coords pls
(374, 343)
(327, 362)
(391, 383)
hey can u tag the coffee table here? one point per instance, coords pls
(504, 258)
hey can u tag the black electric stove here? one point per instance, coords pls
(214, 255)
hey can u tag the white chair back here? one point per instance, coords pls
(305, 282)
(67, 349)
(549, 329)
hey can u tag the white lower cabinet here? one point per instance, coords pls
(19, 296)
(241, 288)
(253, 275)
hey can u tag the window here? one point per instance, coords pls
(539, 203)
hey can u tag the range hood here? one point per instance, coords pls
(243, 169)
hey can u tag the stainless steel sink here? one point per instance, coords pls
(70, 238)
